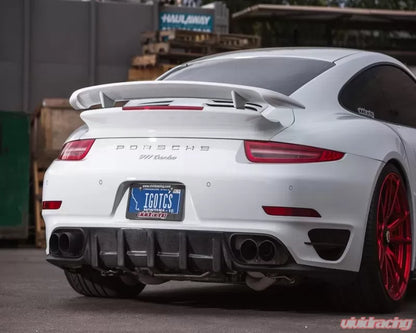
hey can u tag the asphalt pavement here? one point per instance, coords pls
(35, 297)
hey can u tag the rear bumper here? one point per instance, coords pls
(224, 193)
(177, 254)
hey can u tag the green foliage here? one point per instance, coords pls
(383, 4)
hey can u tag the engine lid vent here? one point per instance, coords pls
(229, 104)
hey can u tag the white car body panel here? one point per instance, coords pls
(207, 206)
(117, 123)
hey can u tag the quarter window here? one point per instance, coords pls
(383, 92)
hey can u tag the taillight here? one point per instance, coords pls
(75, 150)
(51, 204)
(277, 152)
(162, 107)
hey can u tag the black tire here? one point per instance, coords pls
(368, 292)
(90, 282)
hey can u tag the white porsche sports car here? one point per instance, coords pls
(259, 167)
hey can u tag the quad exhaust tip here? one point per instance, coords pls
(66, 243)
(267, 250)
(249, 250)
(258, 249)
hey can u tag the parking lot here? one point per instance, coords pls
(35, 297)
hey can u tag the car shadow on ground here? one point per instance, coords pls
(241, 297)
(312, 299)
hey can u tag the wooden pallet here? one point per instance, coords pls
(237, 41)
(154, 48)
(145, 60)
(172, 58)
(50, 126)
(175, 47)
(186, 36)
(38, 174)
(147, 73)
(149, 37)
(197, 37)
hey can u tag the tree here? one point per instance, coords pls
(237, 5)
(383, 4)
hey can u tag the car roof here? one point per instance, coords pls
(317, 53)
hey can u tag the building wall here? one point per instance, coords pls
(49, 48)
(11, 54)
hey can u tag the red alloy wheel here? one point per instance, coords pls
(394, 239)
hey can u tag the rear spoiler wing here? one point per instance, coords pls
(108, 94)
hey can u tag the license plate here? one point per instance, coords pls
(156, 201)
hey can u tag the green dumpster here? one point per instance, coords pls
(14, 175)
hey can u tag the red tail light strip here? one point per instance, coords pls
(51, 204)
(291, 211)
(76, 150)
(163, 107)
(277, 152)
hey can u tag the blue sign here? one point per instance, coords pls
(195, 22)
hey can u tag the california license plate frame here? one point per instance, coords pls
(162, 201)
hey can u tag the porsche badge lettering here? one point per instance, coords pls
(163, 147)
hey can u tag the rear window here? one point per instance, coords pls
(284, 75)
